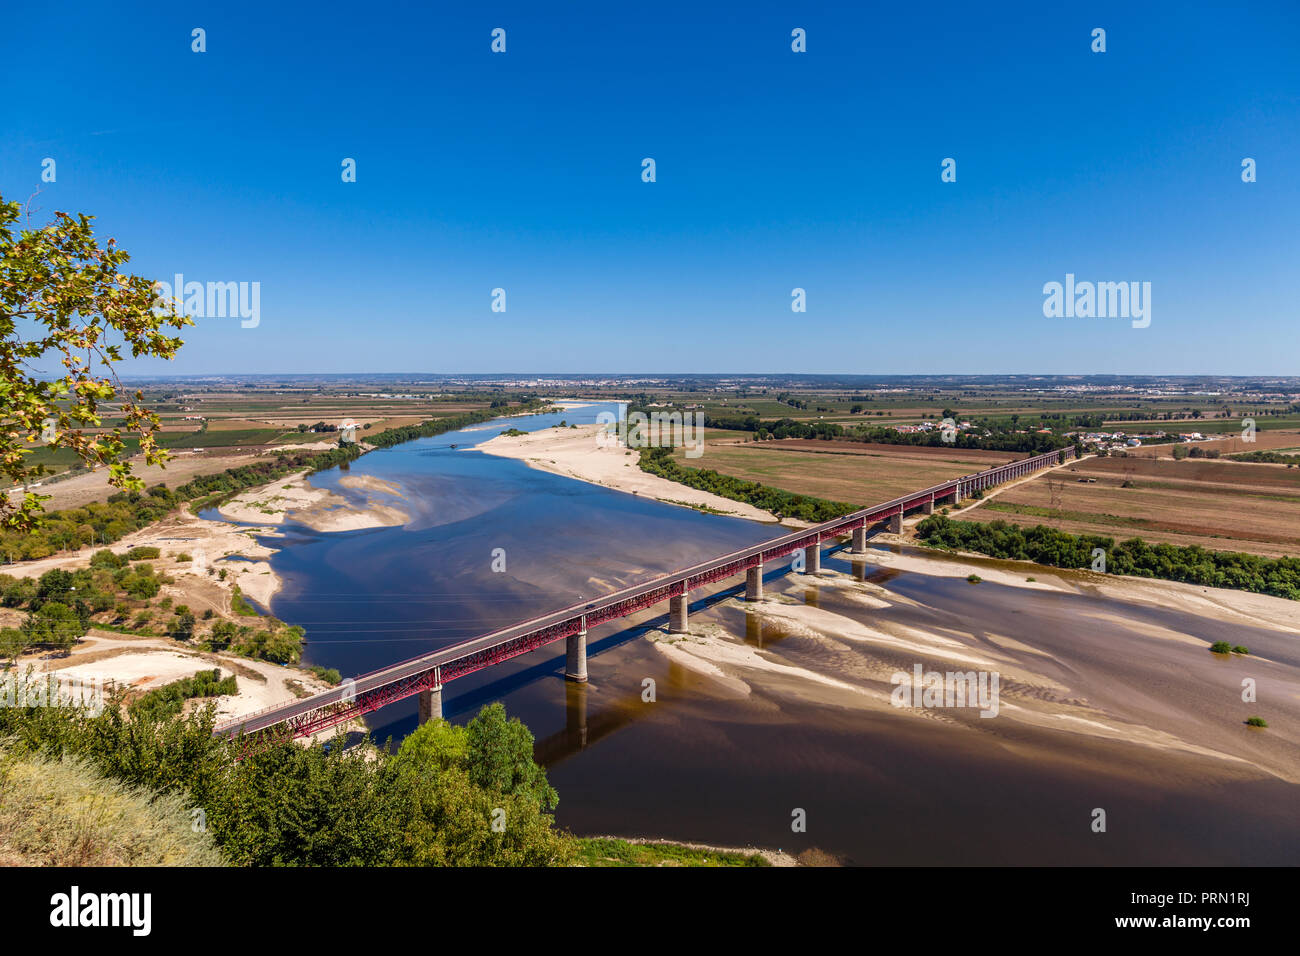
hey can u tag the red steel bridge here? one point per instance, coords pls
(425, 675)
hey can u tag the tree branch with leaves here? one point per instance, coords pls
(64, 304)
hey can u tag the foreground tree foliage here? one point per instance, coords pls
(433, 802)
(67, 310)
(1194, 565)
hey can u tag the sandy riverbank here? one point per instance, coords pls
(581, 453)
(211, 545)
(1112, 688)
(109, 661)
(147, 663)
(294, 498)
(1245, 608)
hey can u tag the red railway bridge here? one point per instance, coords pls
(425, 675)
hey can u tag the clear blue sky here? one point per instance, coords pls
(775, 170)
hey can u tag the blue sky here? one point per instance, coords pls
(775, 170)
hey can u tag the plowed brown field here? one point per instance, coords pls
(843, 471)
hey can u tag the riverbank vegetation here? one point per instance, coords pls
(115, 594)
(125, 512)
(173, 795)
(1194, 565)
(783, 504)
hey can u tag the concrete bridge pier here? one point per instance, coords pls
(896, 523)
(575, 656)
(860, 540)
(430, 704)
(927, 508)
(754, 583)
(812, 558)
(677, 613)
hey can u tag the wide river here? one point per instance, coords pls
(698, 764)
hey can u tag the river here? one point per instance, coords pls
(703, 764)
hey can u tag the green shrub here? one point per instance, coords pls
(107, 559)
(168, 700)
(328, 674)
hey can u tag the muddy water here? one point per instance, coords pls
(718, 763)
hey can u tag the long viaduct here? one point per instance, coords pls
(426, 675)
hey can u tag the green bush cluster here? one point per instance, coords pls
(61, 604)
(168, 700)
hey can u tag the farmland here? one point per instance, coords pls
(208, 428)
(842, 471)
(1219, 505)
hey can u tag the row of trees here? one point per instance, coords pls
(1192, 564)
(1003, 436)
(1268, 457)
(438, 426)
(1196, 451)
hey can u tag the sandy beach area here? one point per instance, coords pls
(834, 640)
(295, 498)
(145, 663)
(582, 453)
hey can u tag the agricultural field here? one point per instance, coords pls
(208, 429)
(1230, 443)
(1219, 505)
(842, 471)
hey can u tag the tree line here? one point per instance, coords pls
(783, 504)
(1191, 564)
